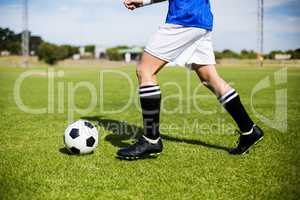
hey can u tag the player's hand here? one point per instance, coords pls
(132, 4)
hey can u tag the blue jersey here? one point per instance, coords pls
(190, 13)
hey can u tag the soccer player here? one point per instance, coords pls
(188, 29)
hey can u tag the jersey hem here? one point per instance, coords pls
(189, 25)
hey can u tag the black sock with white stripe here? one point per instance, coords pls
(232, 103)
(150, 97)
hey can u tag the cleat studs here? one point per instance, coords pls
(131, 158)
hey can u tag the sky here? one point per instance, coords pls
(108, 23)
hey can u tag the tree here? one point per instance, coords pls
(295, 53)
(71, 50)
(230, 54)
(113, 53)
(9, 41)
(248, 54)
(272, 54)
(48, 53)
(90, 49)
(51, 53)
(218, 55)
(14, 47)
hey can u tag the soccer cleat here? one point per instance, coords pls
(143, 148)
(247, 140)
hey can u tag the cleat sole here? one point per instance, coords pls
(151, 155)
(154, 154)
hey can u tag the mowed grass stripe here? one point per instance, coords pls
(193, 165)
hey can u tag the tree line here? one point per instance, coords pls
(52, 53)
(47, 52)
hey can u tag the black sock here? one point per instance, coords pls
(150, 97)
(232, 103)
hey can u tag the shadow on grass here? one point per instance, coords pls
(122, 132)
(65, 151)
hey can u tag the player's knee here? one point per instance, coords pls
(214, 83)
(206, 80)
(143, 73)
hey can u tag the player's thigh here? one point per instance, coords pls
(149, 65)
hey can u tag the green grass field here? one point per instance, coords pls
(194, 164)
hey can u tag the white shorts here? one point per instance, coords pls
(182, 45)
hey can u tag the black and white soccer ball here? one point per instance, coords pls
(81, 137)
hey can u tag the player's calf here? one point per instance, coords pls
(250, 133)
(150, 143)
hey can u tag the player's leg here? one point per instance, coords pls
(229, 98)
(150, 99)
(150, 95)
(166, 45)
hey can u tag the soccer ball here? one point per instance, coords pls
(81, 137)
